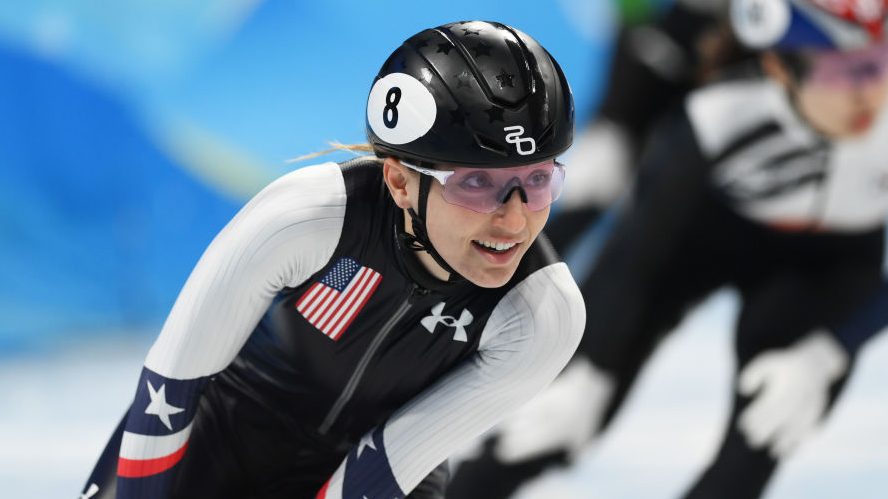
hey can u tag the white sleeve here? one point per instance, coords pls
(281, 237)
(528, 339)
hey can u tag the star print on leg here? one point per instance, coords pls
(93, 490)
(163, 404)
(159, 406)
(366, 472)
(366, 441)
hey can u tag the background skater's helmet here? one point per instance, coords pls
(792, 25)
(476, 93)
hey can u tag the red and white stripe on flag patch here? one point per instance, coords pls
(332, 303)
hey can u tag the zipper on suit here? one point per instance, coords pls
(350, 387)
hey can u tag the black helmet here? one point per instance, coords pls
(471, 93)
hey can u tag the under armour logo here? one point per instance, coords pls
(515, 137)
(465, 318)
(91, 491)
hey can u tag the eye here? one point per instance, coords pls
(475, 181)
(538, 178)
(866, 70)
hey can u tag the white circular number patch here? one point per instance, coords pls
(400, 109)
(760, 23)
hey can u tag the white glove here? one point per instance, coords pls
(562, 417)
(791, 387)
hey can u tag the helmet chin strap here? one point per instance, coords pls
(419, 240)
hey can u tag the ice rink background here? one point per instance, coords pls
(130, 132)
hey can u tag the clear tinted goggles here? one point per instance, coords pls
(849, 69)
(486, 189)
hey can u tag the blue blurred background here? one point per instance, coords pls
(131, 131)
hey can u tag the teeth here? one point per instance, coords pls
(496, 246)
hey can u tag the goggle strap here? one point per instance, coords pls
(410, 241)
(420, 240)
(425, 186)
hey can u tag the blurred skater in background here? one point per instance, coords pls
(660, 54)
(773, 184)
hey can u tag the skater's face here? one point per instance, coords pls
(485, 248)
(842, 93)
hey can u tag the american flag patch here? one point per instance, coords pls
(332, 303)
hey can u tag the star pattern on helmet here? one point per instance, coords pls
(462, 79)
(458, 117)
(470, 31)
(495, 113)
(505, 79)
(422, 42)
(444, 47)
(481, 48)
(400, 64)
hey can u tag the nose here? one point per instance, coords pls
(512, 215)
(870, 85)
(873, 94)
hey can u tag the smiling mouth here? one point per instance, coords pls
(493, 247)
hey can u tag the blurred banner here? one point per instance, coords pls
(130, 132)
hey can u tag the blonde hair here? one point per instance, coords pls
(359, 150)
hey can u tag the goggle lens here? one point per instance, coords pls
(486, 189)
(849, 69)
